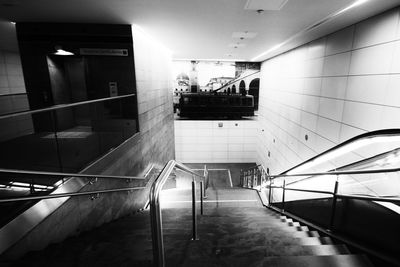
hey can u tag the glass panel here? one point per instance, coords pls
(89, 131)
(66, 139)
(28, 142)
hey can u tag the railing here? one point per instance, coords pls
(63, 177)
(66, 137)
(256, 178)
(235, 80)
(155, 209)
(253, 176)
(21, 205)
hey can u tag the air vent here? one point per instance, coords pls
(265, 4)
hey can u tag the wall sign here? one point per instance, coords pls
(103, 52)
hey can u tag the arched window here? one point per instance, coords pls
(254, 90)
(233, 89)
(242, 88)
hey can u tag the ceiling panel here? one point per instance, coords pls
(199, 29)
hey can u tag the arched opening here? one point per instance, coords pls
(254, 90)
(233, 89)
(242, 88)
(229, 90)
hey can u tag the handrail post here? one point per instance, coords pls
(194, 215)
(241, 178)
(283, 195)
(252, 178)
(201, 197)
(270, 192)
(156, 230)
(334, 200)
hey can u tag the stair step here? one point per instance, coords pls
(318, 261)
(287, 261)
(307, 250)
(199, 250)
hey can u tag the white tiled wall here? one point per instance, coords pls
(13, 97)
(153, 65)
(215, 141)
(331, 89)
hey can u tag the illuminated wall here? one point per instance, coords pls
(329, 90)
(213, 141)
(13, 96)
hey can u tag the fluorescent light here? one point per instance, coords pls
(210, 59)
(61, 52)
(355, 4)
(275, 47)
(314, 25)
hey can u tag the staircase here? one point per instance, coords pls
(235, 230)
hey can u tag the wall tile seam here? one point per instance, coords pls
(339, 76)
(344, 100)
(280, 151)
(311, 131)
(346, 51)
(334, 98)
(329, 55)
(154, 109)
(375, 45)
(304, 94)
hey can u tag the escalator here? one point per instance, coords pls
(351, 191)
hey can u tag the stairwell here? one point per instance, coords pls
(235, 230)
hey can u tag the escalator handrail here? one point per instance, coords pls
(383, 199)
(336, 173)
(364, 135)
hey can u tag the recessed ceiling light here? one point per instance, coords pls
(236, 45)
(244, 35)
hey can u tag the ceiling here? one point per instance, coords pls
(198, 29)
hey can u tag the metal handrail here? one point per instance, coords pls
(251, 168)
(61, 106)
(14, 199)
(155, 210)
(14, 171)
(301, 190)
